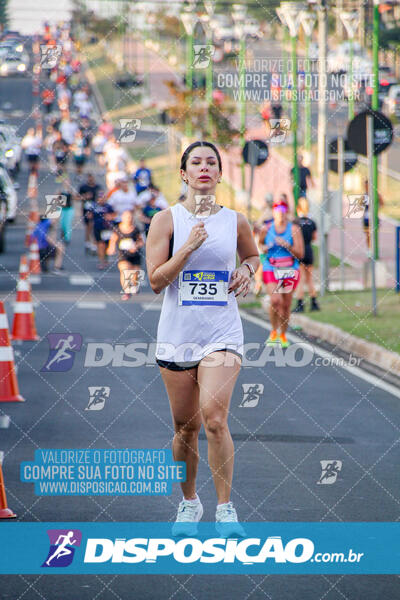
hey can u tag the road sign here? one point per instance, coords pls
(255, 152)
(357, 132)
(349, 156)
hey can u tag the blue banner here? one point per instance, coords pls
(150, 548)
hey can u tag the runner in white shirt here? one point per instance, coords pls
(200, 334)
(153, 190)
(123, 198)
(68, 129)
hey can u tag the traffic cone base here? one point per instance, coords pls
(9, 391)
(5, 512)
(34, 259)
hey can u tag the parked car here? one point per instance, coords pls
(252, 29)
(8, 204)
(391, 103)
(339, 60)
(12, 148)
(8, 188)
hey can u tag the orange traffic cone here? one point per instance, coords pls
(32, 186)
(24, 320)
(9, 391)
(34, 258)
(23, 268)
(5, 512)
(32, 220)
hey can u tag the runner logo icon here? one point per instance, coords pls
(62, 351)
(62, 547)
(330, 470)
(128, 129)
(50, 55)
(97, 397)
(202, 55)
(54, 204)
(251, 394)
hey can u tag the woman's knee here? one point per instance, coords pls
(276, 302)
(187, 432)
(215, 426)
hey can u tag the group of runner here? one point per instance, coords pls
(116, 206)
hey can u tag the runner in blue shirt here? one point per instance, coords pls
(142, 177)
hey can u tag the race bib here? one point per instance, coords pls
(203, 288)
(105, 235)
(127, 244)
(285, 273)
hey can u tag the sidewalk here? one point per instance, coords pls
(274, 177)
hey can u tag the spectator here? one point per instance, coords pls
(305, 178)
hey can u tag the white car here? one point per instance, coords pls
(252, 29)
(339, 59)
(7, 188)
(391, 103)
(11, 144)
(14, 64)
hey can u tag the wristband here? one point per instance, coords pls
(250, 267)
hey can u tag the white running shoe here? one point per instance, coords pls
(227, 521)
(189, 514)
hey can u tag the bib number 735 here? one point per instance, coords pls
(203, 288)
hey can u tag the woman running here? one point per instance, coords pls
(128, 238)
(194, 262)
(284, 246)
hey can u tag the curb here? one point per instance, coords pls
(385, 359)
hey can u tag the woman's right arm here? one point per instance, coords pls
(161, 270)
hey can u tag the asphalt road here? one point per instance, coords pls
(306, 414)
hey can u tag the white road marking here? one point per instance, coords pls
(4, 422)
(95, 305)
(81, 280)
(150, 306)
(35, 279)
(387, 387)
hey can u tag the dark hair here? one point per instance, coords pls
(188, 150)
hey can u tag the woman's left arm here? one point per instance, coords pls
(248, 253)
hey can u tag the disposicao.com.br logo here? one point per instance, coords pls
(247, 551)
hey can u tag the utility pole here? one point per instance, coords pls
(375, 106)
(322, 141)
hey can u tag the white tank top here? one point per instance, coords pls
(189, 333)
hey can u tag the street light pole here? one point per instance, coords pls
(350, 20)
(290, 13)
(307, 21)
(188, 20)
(322, 142)
(209, 6)
(239, 16)
(375, 106)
